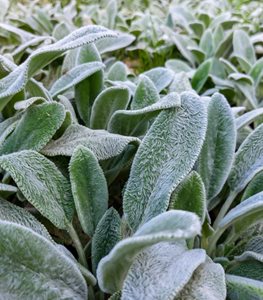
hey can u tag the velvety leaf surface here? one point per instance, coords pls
(75, 76)
(168, 226)
(155, 173)
(106, 236)
(31, 265)
(218, 150)
(248, 160)
(145, 94)
(36, 127)
(161, 271)
(89, 188)
(102, 143)
(190, 195)
(255, 186)
(42, 184)
(135, 122)
(248, 118)
(161, 77)
(108, 101)
(243, 288)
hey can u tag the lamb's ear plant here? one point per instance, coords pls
(131, 186)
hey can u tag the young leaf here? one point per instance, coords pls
(145, 94)
(24, 104)
(108, 101)
(218, 151)
(42, 184)
(117, 72)
(168, 226)
(31, 265)
(106, 236)
(32, 130)
(135, 122)
(102, 143)
(89, 188)
(248, 161)
(168, 263)
(248, 118)
(190, 196)
(155, 173)
(243, 288)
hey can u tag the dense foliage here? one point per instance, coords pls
(131, 150)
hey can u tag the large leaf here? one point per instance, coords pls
(36, 127)
(135, 122)
(248, 160)
(75, 76)
(207, 282)
(167, 263)
(201, 75)
(190, 195)
(16, 80)
(243, 288)
(106, 236)
(32, 266)
(219, 147)
(155, 173)
(42, 184)
(169, 226)
(15, 214)
(102, 143)
(108, 101)
(89, 188)
(145, 94)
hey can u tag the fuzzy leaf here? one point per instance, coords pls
(252, 206)
(248, 118)
(190, 195)
(24, 104)
(31, 265)
(248, 161)
(155, 173)
(44, 119)
(102, 143)
(255, 186)
(201, 75)
(219, 147)
(169, 226)
(161, 77)
(145, 94)
(135, 122)
(168, 263)
(15, 214)
(118, 72)
(243, 47)
(75, 76)
(89, 188)
(16, 80)
(243, 288)
(106, 236)
(108, 101)
(42, 184)
(207, 282)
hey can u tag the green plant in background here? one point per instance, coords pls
(138, 186)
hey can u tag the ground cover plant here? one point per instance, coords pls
(125, 180)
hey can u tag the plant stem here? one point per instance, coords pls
(75, 239)
(213, 240)
(224, 208)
